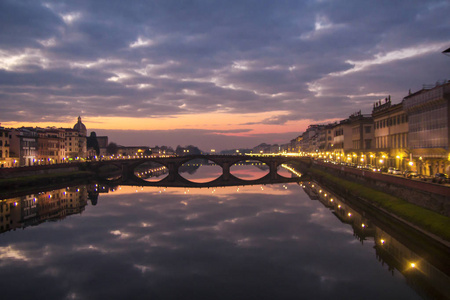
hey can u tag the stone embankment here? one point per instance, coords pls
(19, 180)
(432, 196)
(39, 170)
(368, 192)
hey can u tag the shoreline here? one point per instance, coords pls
(11, 187)
(432, 224)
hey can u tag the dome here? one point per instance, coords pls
(80, 126)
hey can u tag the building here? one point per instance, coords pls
(133, 151)
(51, 145)
(428, 117)
(24, 146)
(103, 145)
(362, 137)
(391, 134)
(261, 148)
(362, 132)
(76, 141)
(5, 160)
(326, 138)
(310, 139)
(342, 137)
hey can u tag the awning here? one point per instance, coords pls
(430, 152)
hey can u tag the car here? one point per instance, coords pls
(396, 172)
(390, 170)
(367, 167)
(384, 169)
(371, 168)
(441, 176)
(410, 174)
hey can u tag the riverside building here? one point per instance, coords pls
(428, 113)
(24, 146)
(76, 141)
(51, 148)
(362, 138)
(5, 160)
(391, 134)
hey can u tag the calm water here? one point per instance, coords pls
(252, 242)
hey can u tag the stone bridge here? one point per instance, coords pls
(174, 179)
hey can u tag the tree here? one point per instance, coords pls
(112, 148)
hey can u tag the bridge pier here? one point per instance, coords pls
(226, 171)
(127, 171)
(173, 171)
(273, 170)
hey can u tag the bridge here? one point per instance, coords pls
(126, 170)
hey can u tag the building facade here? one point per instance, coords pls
(76, 141)
(24, 146)
(428, 115)
(342, 137)
(5, 160)
(391, 134)
(51, 146)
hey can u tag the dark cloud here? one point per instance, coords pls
(165, 58)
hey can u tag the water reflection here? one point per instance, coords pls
(261, 242)
(249, 170)
(54, 205)
(428, 280)
(200, 170)
(151, 171)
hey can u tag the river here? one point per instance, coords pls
(282, 241)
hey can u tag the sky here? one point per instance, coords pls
(215, 74)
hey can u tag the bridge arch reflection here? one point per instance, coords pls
(194, 171)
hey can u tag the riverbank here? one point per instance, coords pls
(9, 187)
(433, 224)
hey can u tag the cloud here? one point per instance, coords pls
(317, 60)
(252, 241)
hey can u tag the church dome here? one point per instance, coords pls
(80, 126)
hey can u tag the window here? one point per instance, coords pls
(367, 129)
